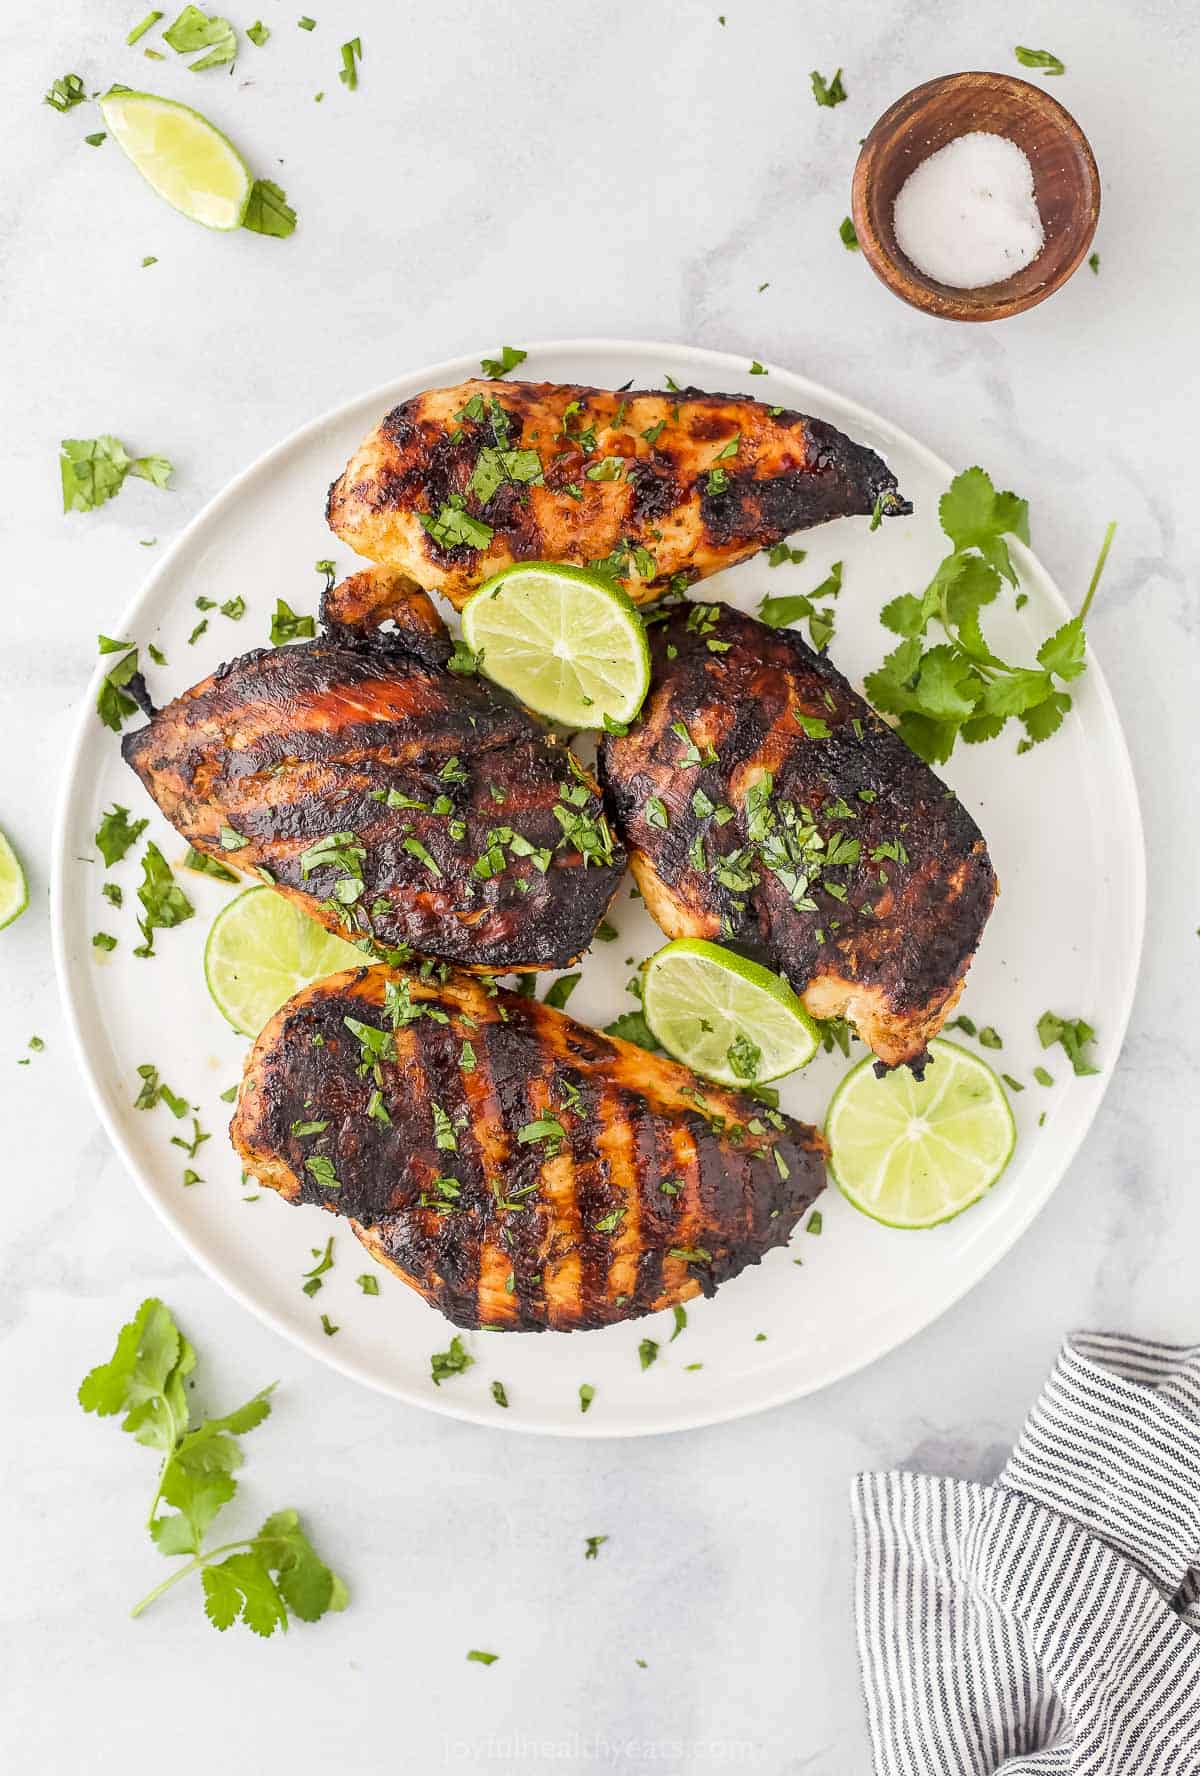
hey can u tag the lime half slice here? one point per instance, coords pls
(727, 1018)
(262, 949)
(564, 640)
(912, 1152)
(182, 155)
(14, 892)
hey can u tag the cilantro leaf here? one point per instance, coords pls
(848, 235)
(828, 93)
(194, 30)
(631, 1026)
(163, 900)
(94, 470)
(287, 626)
(268, 210)
(510, 357)
(116, 833)
(1045, 59)
(239, 1588)
(1073, 1035)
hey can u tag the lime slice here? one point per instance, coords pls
(14, 893)
(261, 950)
(728, 1018)
(913, 1152)
(564, 640)
(187, 160)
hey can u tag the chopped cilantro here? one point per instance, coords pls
(268, 211)
(287, 626)
(351, 56)
(116, 833)
(442, 1364)
(139, 30)
(828, 93)
(95, 469)
(66, 92)
(163, 900)
(320, 1169)
(1073, 1035)
(560, 990)
(1045, 59)
(453, 527)
(510, 357)
(848, 234)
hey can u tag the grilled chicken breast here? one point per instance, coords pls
(457, 483)
(764, 803)
(399, 802)
(517, 1169)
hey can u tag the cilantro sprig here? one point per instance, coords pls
(262, 1580)
(957, 688)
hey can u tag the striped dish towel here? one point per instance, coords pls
(1048, 1625)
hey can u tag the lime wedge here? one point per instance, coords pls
(14, 892)
(261, 950)
(186, 159)
(913, 1152)
(564, 640)
(727, 1018)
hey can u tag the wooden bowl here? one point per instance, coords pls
(1065, 181)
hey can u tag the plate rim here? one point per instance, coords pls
(434, 375)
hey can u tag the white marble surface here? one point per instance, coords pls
(504, 173)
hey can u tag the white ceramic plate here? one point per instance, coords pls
(1064, 831)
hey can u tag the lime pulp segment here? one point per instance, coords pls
(184, 157)
(564, 640)
(912, 1152)
(261, 949)
(14, 891)
(726, 1017)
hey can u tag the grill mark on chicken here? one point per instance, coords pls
(635, 1126)
(885, 940)
(289, 746)
(788, 473)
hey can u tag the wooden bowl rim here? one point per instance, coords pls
(900, 275)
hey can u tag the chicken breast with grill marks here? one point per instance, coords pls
(764, 803)
(457, 483)
(396, 800)
(519, 1170)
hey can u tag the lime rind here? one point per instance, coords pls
(14, 889)
(913, 1154)
(691, 983)
(564, 640)
(190, 163)
(261, 949)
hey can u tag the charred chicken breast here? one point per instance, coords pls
(765, 803)
(517, 1169)
(398, 801)
(457, 483)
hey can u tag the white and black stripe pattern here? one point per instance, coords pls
(1046, 1626)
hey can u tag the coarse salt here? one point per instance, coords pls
(968, 215)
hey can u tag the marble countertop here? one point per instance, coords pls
(502, 174)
